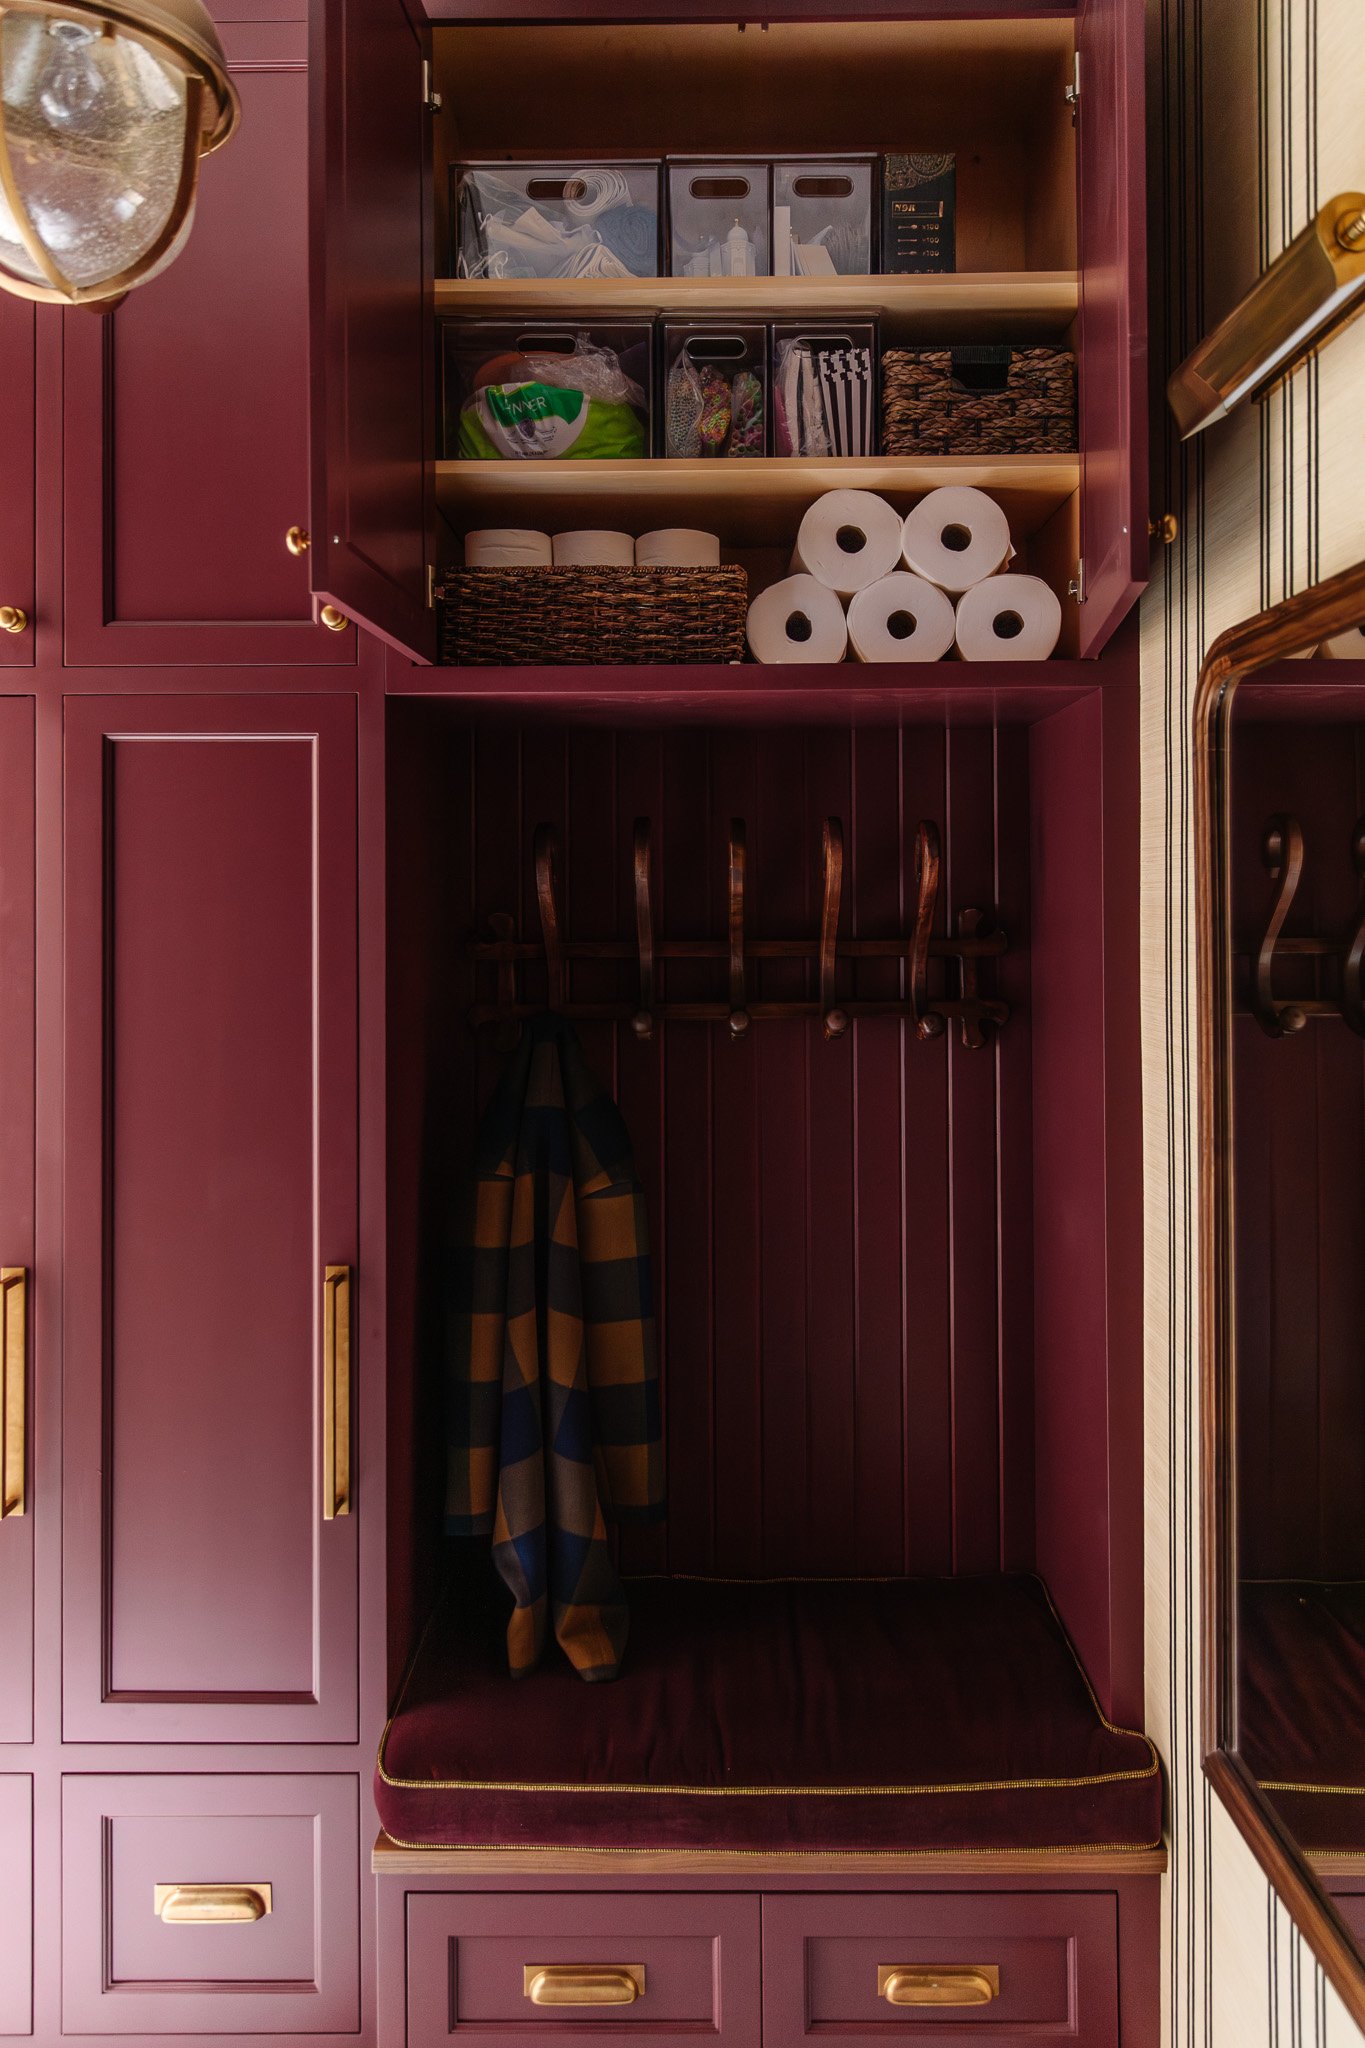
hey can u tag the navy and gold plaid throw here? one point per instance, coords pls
(555, 1424)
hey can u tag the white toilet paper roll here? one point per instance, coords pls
(846, 540)
(1008, 618)
(677, 547)
(507, 547)
(1347, 646)
(955, 537)
(900, 618)
(798, 619)
(591, 549)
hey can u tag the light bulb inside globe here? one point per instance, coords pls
(104, 114)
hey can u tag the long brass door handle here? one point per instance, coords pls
(13, 1375)
(938, 1983)
(211, 1905)
(583, 1983)
(336, 1392)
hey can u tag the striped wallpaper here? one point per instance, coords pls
(1257, 115)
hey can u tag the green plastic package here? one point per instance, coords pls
(546, 420)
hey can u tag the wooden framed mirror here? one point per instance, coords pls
(1280, 859)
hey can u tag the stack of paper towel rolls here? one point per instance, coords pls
(672, 547)
(868, 583)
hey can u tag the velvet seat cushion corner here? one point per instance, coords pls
(896, 1716)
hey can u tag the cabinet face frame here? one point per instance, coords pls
(1295, 626)
(17, 1131)
(325, 1641)
(18, 505)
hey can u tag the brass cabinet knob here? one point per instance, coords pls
(333, 620)
(1165, 529)
(298, 540)
(12, 620)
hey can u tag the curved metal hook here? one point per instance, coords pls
(1282, 852)
(1353, 964)
(547, 852)
(642, 1023)
(835, 1020)
(927, 1023)
(739, 1015)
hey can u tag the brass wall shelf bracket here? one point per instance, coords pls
(929, 1013)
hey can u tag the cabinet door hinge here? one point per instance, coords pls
(431, 587)
(1076, 587)
(431, 99)
(1073, 91)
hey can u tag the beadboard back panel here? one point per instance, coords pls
(842, 1230)
(1299, 1185)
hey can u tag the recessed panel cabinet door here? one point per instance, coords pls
(16, 1918)
(210, 946)
(20, 1490)
(373, 330)
(186, 412)
(1113, 314)
(17, 328)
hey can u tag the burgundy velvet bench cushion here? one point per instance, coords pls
(1301, 1704)
(897, 1715)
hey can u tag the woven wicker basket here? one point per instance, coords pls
(500, 618)
(978, 401)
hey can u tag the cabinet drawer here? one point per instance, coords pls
(473, 1961)
(1041, 1964)
(223, 1904)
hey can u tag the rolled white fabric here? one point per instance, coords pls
(590, 549)
(955, 537)
(900, 618)
(846, 540)
(507, 547)
(798, 619)
(1008, 618)
(1347, 646)
(677, 547)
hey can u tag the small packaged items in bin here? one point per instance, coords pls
(718, 219)
(714, 391)
(542, 394)
(822, 218)
(824, 396)
(556, 220)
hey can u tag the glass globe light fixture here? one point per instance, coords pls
(105, 111)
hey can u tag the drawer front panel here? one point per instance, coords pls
(977, 1967)
(473, 1961)
(213, 1904)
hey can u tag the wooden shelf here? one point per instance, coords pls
(755, 503)
(990, 305)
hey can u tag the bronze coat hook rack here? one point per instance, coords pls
(1282, 852)
(929, 1014)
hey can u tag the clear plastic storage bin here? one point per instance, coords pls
(822, 218)
(543, 392)
(823, 380)
(718, 219)
(590, 219)
(714, 395)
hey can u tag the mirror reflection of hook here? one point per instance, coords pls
(1282, 852)
(1353, 964)
(547, 851)
(642, 1023)
(739, 1014)
(834, 1020)
(927, 1023)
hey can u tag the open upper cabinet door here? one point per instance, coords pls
(372, 322)
(1113, 314)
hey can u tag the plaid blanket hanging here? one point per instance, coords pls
(555, 1420)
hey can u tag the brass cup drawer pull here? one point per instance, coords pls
(583, 1983)
(13, 1407)
(211, 1905)
(938, 1983)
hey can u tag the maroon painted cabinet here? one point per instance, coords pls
(16, 1917)
(16, 1206)
(18, 329)
(186, 412)
(210, 963)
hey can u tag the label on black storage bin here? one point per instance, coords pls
(918, 213)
